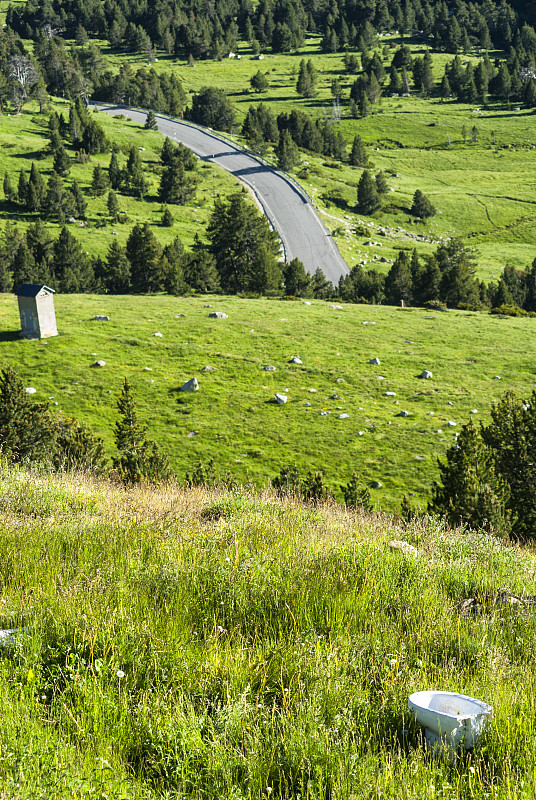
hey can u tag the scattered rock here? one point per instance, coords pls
(147, 369)
(30, 390)
(474, 411)
(375, 484)
(426, 374)
(336, 397)
(191, 434)
(450, 403)
(375, 361)
(281, 399)
(343, 416)
(403, 547)
(420, 458)
(218, 315)
(339, 380)
(158, 335)
(324, 413)
(295, 360)
(336, 307)
(313, 391)
(208, 369)
(451, 424)
(306, 303)
(99, 364)
(497, 378)
(179, 315)
(269, 368)
(308, 405)
(390, 394)
(207, 305)
(101, 318)
(365, 322)
(403, 414)
(190, 386)
(360, 433)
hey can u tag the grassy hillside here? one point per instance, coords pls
(24, 139)
(233, 418)
(214, 645)
(482, 189)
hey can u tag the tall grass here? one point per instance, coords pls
(213, 644)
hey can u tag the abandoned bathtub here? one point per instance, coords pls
(450, 720)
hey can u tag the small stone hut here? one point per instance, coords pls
(36, 309)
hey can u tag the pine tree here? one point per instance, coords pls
(58, 204)
(200, 272)
(288, 155)
(364, 106)
(145, 256)
(62, 162)
(422, 206)
(134, 177)
(22, 189)
(150, 122)
(245, 249)
(367, 194)
(99, 182)
(112, 205)
(511, 436)
(399, 282)
(297, 281)
(36, 189)
(77, 447)
(117, 275)
(139, 459)
(26, 428)
(167, 218)
(73, 269)
(114, 173)
(9, 194)
(78, 199)
(381, 183)
(358, 153)
(470, 489)
(174, 260)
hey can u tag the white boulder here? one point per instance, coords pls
(190, 386)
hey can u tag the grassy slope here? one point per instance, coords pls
(232, 414)
(483, 190)
(24, 140)
(205, 645)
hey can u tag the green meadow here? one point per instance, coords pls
(209, 644)
(234, 419)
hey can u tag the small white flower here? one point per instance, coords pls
(393, 663)
(120, 673)
(220, 629)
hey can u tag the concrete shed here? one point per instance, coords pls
(36, 309)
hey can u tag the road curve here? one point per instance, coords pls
(286, 205)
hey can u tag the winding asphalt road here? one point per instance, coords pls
(286, 205)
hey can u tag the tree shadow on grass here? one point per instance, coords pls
(10, 336)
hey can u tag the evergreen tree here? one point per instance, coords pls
(77, 447)
(9, 193)
(22, 189)
(364, 107)
(133, 176)
(297, 281)
(117, 275)
(200, 272)
(381, 183)
(139, 459)
(457, 266)
(99, 182)
(511, 435)
(112, 205)
(58, 204)
(288, 155)
(114, 173)
(175, 185)
(174, 259)
(73, 269)
(399, 281)
(26, 429)
(358, 153)
(145, 256)
(259, 82)
(470, 489)
(422, 207)
(24, 269)
(62, 162)
(367, 194)
(78, 199)
(150, 122)
(245, 249)
(167, 218)
(36, 189)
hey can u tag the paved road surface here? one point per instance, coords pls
(288, 208)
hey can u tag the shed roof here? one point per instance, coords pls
(32, 289)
